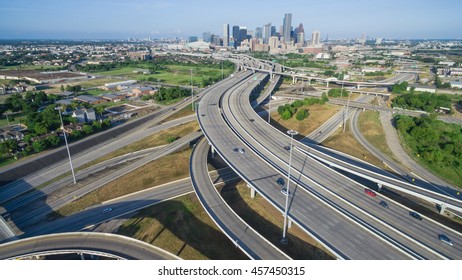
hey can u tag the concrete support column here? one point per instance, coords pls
(379, 185)
(309, 82)
(294, 80)
(81, 256)
(252, 192)
(442, 207)
(289, 224)
(327, 82)
(358, 86)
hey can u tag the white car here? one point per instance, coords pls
(284, 191)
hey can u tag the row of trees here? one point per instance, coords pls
(421, 101)
(287, 111)
(337, 92)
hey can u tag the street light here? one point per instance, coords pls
(269, 108)
(284, 230)
(192, 96)
(67, 146)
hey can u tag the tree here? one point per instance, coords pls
(62, 88)
(87, 129)
(39, 145)
(301, 114)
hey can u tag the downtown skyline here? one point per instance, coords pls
(116, 19)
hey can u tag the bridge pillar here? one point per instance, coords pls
(309, 82)
(358, 86)
(441, 208)
(294, 80)
(379, 185)
(81, 256)
(289, 223)
(253, 71)
(327, 82)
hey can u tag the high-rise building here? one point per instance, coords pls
(273, 42)
(315, 38)
(236, 36)
(273, 31)
(266, 33)
(287, 27)
(259, 32)
(242, 34)
(300, 34)
(192, 39)
(207, 37)
(225, 35)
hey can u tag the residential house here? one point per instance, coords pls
(84, 115)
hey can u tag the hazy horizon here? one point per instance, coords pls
(118, 19)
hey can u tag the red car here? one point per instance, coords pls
(369, 192)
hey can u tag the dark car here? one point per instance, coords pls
(235, 150)
(384, 204)
(415, 215)
(369, 192)
(287, 148)
(280, 182)
(443, 238)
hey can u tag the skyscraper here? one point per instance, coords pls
(259, 33)
(315, 38)
(225, 35)
(266, 33)
(287, 26)
(207, 37)
(300, 34)
(236, 36)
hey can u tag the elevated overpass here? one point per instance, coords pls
(99, 244)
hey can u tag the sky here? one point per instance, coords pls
(121, 19)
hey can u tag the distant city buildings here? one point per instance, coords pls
(225, 35)
(287, 27)
(315, 38)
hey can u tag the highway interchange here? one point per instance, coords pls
(327, 205)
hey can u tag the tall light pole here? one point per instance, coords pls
(348, 103)
(284, 230)
(67, 146)
(192, 96)
(269, 108)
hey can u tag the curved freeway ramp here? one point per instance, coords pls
(246, 238)
(102, 244)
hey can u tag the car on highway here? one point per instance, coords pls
(107, 210)
(280, 181)
(443, 238)
(241, 150)
(235, 150)
(383, 204)
(369, 192)
(287, 148)
(284, 191)
(415, 215)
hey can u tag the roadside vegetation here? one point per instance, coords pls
(435, 144)
(299, 108)
(422, 101)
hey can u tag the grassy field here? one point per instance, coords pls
(186, 111)
(154, 140)
(176, 74)
(12, 117)
(371, 128)
(259, 214)
(345, 142)
(319, 114)
(182, 227)
(166, 169)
